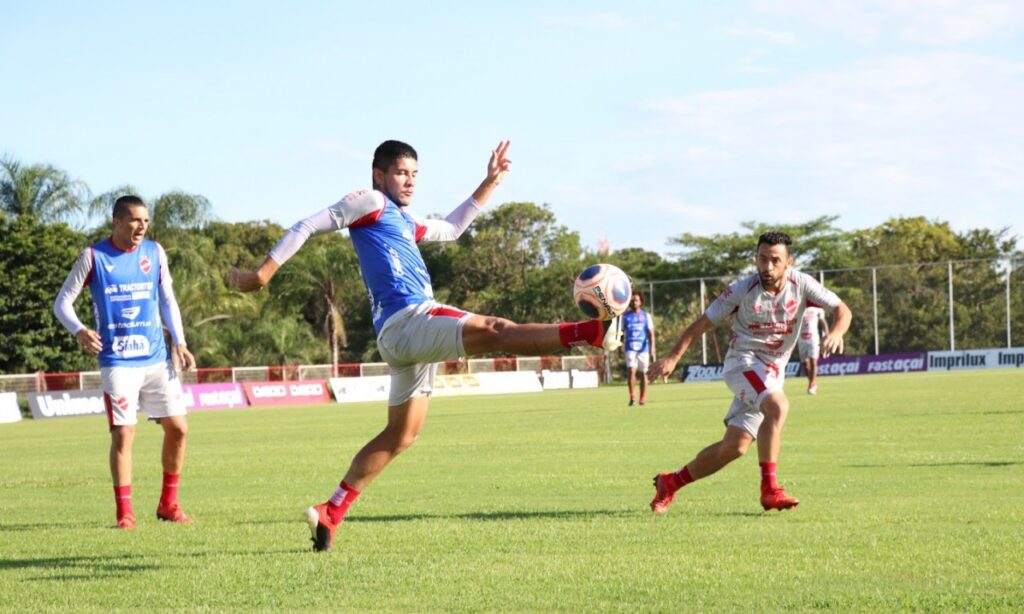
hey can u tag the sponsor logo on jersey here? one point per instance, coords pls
(131, 312)
(131, 346)
(145, 264)
(111, 289)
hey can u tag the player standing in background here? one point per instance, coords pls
(638, 327)
(413, 332)
(131, 287)
(809, 344)
(766, 308)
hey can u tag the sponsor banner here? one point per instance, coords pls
(503, 382)
(9, 410)
(213, 396)
(976, 359)
(300, 392)
(901, 362)
(716, 372)
(584, 379)
(555, 380)
(361, 389)
(66, 403)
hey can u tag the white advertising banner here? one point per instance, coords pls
(583, 379)
(361, 389)
(502, 382)
(66, 403)
(9, 410)
(975, 359)
(555, 380)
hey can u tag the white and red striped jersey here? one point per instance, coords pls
(766, 325)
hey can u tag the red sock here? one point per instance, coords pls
(123, 500)
(572, 334)
(768, 476)
(684, 476)
(169, 492)
(340, 501)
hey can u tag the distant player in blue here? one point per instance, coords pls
(638, 327)
(132, 299)
(414, 332)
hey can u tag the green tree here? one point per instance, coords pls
(34, 261)
(41, 191)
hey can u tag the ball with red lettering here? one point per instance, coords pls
(602, 291)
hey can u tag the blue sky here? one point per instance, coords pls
(638, 121)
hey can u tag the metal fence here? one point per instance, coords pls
(954, 305)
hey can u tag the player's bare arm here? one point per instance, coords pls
(251, 281)
(833, 342)
(665, 366)
(497, 168)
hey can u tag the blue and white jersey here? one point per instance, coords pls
(132, 299)
(636, 326)
(384, 236)
(390, 262)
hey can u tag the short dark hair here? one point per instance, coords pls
(638, 293)
(774, 238)
(389, 151)
(124, 205)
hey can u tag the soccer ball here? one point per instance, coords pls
(602, 291)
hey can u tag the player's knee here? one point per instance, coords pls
(405, 441)
(731, 450)
(775, 407)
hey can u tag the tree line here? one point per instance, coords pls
(516, 261)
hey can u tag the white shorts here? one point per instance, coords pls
(808, 348)
(413, 340)
(751, 383)
(155, 389)
(638, 361)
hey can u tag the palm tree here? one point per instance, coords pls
(42, 191)
(171, 210)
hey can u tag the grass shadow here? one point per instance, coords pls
(46, 526)
(497, 516)
(80, 567)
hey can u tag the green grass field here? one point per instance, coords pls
(912, 490)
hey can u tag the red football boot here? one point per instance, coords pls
(321, 526)
(172, 513)
(126, 522)
(777, 499)
(665, 485)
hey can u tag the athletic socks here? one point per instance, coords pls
(680, 478)
(768, 477)
(169, 491)
(340, 501)
(123, 500)
(590, 332)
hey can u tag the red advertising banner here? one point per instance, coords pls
(301, 392)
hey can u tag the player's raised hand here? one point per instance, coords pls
(499, 165)
(89, 341)
(832, 344)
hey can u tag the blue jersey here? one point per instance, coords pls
(390, 261)
(125, 288)
(635, 324)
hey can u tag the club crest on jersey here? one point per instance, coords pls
(145, 264)
(791, 306)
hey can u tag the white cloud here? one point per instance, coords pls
(936, 134)
(763, 35)
(932, 22)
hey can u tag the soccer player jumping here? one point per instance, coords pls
(766, 308)
(413, 332)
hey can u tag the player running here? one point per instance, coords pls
(765, 308)
(809, 344)
(131, 287)
(413, 332)
(638, 328)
